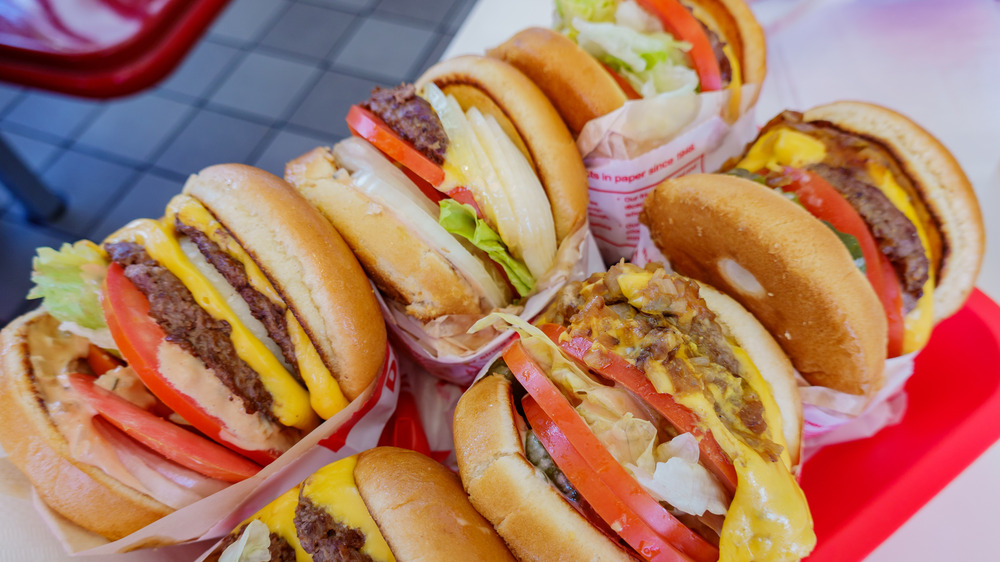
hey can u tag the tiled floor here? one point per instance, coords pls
(270, 80)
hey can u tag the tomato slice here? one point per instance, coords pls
(624, 84)
(179, 445)
(370, 127)
(613, 474)
(893, 307)
(826, 203)
(101, 361)
(139, 337)
(605, 504)
(612, 366)
(682, 25)
(463, 195)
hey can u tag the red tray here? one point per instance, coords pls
(952, 418)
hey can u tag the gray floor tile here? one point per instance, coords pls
(146, 199)
(54, 114)
(385, 49)
(325, 108)
(432, 11)
(202, 69)
(135, 128)
(308, 30)
(211, 138)
(20, 241)
(265, 85)
(8, 93)
(35, 153)
(435, 55)
(457, 15)
(353, 6)
(244, 21)
(288, 145)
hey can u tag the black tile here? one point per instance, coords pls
(211, 138)
(325, 108)
(456, 17)
(201, 69)
(35, 153)
(353, 6)
(244, 21)
(265, 85)
(136, 127)
(288, 145)
(8, 93)
(19, 241)
(431, 11)
(386, 49)
(308, 30)
(54, 114)
(146, 199)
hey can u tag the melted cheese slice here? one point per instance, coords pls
(279, 516)
(333, 489)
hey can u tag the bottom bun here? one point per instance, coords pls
(80, 492)
(532, 517)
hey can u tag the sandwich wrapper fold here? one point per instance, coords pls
(829, 416)
(443, 347)
(354, 429)
(630, 150)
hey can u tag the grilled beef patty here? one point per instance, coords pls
(325, 539)
(412, 118)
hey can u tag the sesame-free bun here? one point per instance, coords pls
(941, 183)
(80, 492)
(422, 510)
(307, 262)
(781, 264)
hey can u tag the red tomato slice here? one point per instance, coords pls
(826, 203)
(624, 84)
(179, 445)
(463, 195)
(614, 475)
(427, 189)
(682, 25)
(613, 367)
(139, 337)
(101, 361)
(893, 307)
(370, 127)
(605, 504)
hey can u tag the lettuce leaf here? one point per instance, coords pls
(461, 220)
(253, 545)
(69, 283)
(589, 10)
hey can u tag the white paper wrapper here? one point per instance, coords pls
(449, 357)
(630, 150)
(352, 430)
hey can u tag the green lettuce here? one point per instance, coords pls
(69, 283)
(589, 10)
(461, 220)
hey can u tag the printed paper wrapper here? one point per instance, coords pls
(443, 348)
(630, 150)
(829, 416)
(352, 430)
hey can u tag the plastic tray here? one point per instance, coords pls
(953, 417)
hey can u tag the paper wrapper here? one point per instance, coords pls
(630, 150)
(442, 346)
(829, 416)
(352, 430)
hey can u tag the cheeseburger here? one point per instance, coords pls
(606, 52)
(184, 353)
(381, 505)
(647, 416)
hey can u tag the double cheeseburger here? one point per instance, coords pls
(184, 353)
(606, 52)
(897, 246)
(381, 505)
(647, 416)
(457, 192)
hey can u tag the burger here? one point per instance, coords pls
(458, 192)
(647, 416)
(896, 249)
(184, 353)
(383, 504)
(606, 52)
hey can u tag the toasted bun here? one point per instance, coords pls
(308, 263)
(783, 265)
(549, 144)
(82, 493)
(938, 178)
(422, 510)
(403, 265)
(531, 516)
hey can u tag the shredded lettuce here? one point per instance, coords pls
(461, 220)
(589, 10)
(252, 546)
(69, 283)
